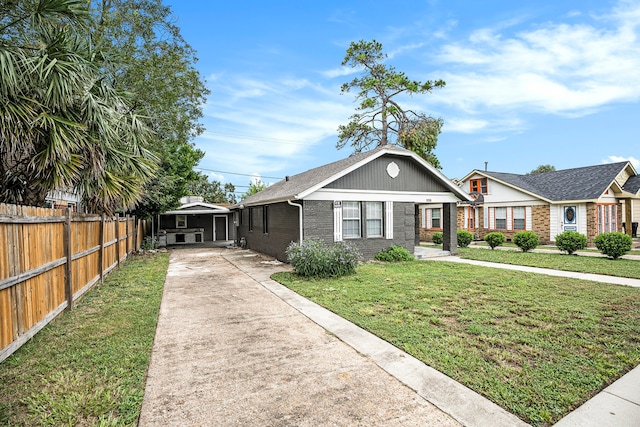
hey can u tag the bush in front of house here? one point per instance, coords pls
(437, 238)
(394, 253)
(464, 238)
(494, 239)
(314, 258)
(526, 240)
(571, 241)
(614, 244)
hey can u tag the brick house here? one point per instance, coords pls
(590, 200)
(370, 199)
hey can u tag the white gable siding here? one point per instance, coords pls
(500, 193)
(582, 218)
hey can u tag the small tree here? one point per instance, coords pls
(614, 244)
(256, 185)
(543, 169)
(526, 240)
(379, 115)
(464, 238)
(494, 239)
(571, 241)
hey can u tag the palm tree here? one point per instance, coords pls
(62, 126)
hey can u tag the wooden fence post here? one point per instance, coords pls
(68, 280)
(127, 234)
(117, 222)
(101, 253)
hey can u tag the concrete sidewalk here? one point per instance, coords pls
(617, 405)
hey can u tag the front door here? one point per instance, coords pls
(220, 228)
(570, 218)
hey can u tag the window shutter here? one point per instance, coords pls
(492, 218)
(388, 219)
(429, 216)
(424, 217)
(509, 218)
(337, 221)
(485, 218)
(527, 218)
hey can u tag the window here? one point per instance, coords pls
(181, 221)
(478, 185)
(471, 218)
(607, 218)
(350, 220)
(435, 218)
(501, 218)
(250, 219)
(518, 218)
(374, 219)
(265, 219)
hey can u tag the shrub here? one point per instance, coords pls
(464, 238)
(614, 244)
(437, 237)
(526, 240)
(394, 253)
(148, 243)
(494, 239)
(314, 258)
(571, 241)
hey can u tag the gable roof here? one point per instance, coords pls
(632, 185)
(301, 185)
(198, 208)
(584, 183)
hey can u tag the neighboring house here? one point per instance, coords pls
(59, 199)
(196, 222)
(370, 199)
(590, 200)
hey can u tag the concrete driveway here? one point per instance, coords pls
(228, 352)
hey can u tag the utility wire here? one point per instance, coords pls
(236, 173)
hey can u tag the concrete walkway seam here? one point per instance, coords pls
(625, 281)
(453, 398)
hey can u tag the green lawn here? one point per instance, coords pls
(557, 261)
(538, 346)
(88, 366)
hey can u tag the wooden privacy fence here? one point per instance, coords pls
(50, 258)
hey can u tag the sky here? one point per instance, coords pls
(545, 82)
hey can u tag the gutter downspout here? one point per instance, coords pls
(300, 216)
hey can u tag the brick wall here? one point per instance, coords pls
(282, 229)
(541, 223)
(318, 223)
(592, 223)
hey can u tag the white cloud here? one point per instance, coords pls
(339, 72)
(555, 68)
(615, 159)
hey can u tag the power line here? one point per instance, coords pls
(241, 174)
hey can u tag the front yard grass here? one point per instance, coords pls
(88, 366)
(558, 261)
(538, 346)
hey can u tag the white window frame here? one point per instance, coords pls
(438, 217)
(351, 213)
(377, 209)
(500, 218)
(522, 218)
(181, 221)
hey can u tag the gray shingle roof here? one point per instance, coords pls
(632, 185)
(585, 183)
(297, 184)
